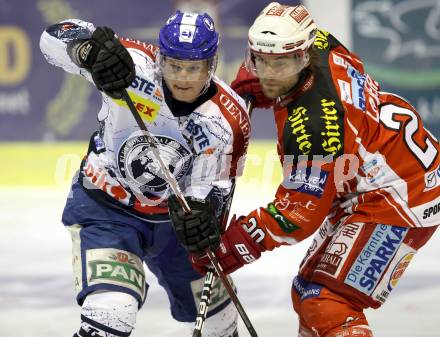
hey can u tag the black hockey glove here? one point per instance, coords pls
(197, 231)
(108, 61)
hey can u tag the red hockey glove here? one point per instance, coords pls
(236, 249)
(246, 84)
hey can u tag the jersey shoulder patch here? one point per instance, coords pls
(148, 49)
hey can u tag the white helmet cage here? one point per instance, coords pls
(281, 30)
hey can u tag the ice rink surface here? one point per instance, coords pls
(37, 298)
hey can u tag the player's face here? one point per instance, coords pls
(277, 73)
(185, 79)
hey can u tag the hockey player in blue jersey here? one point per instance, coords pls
(117, 211)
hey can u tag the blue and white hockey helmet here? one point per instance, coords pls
(189, 36)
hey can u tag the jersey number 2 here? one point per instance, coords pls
(425, 156)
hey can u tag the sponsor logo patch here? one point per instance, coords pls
(357, 88)
(143, 85)
(283, 222)
(147, 109)
(345, 89)
(373, 170)
(239, 115)
(430, 211)
(309, 180)
(299, 13)
(432, 179)
(265, 44)
(276, 10)
(331, 138)
(298, 119)
(117, 267)
(338, 60)
(186, 35)
(285, 203)
(373, 260)
(396, 269)
(338, 249)
(306, 289)
(198, 134)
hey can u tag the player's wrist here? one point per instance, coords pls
(244, 248)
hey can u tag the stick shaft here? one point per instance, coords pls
(171, 180)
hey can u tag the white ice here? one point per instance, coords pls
(37, 298)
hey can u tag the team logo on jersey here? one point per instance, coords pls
(139, 167)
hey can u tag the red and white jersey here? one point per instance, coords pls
(350, 153)
(201, 149)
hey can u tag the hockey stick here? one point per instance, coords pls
(209, 278)
(171, 180)
(151, 140)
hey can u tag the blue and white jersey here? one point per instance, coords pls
(203, 149)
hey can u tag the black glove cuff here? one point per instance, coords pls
(86, 54)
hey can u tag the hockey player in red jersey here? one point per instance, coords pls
(360, 171)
